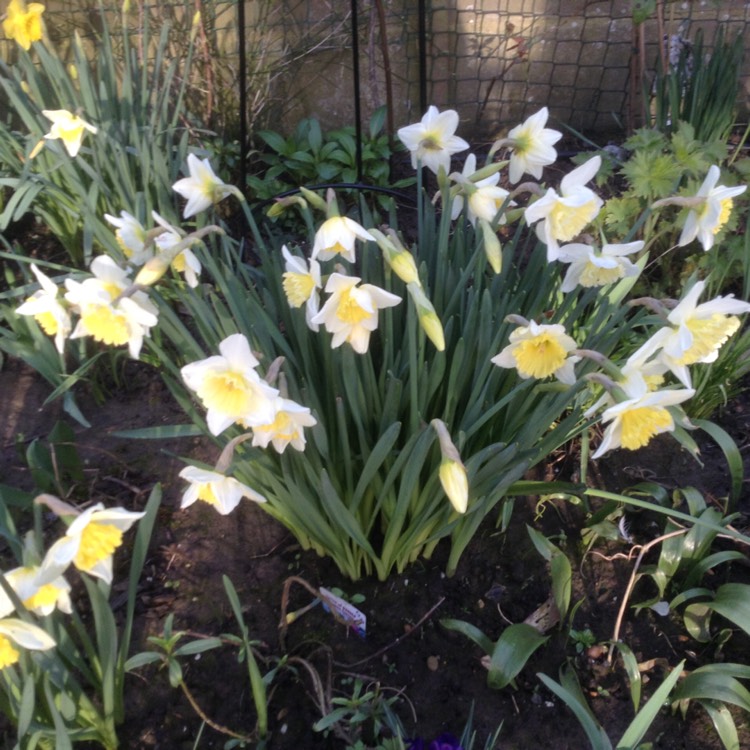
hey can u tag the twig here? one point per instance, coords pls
(209, 721)
(631, 583)
(398, 640)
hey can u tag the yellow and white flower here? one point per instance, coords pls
(230, 388)
(589, 268)
(351, 312)
(23, 22)
(634, 422)
(563, 217)
(218, 490)
(51, 315)
(707, 220)
(532, 146)
(484, 197)
(697, 332)
(17, 633)
(202, 188)
(131, 236)
(432, 141)
(69, 128)
(538, 351)
(286, 428)
(40, 589)
(302, 284)
(337, 236)
(92, 538)
(107, 316)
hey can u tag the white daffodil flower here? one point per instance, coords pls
(230, 388)
(202, 188)
(92, 538)
(351, 312)
(69, 128)
(538, 351)
(40, 591)
(302, 285)
(131, 236)
(46, 308)
(589, 268)
(532, 147)
(104, 314)
(634, 422)
(483, 197)
(14, 632)
(707, 221)
(697, 332)
(286, 428)
(563, 217)
(432, 141)
(222, 492)
(337, 235)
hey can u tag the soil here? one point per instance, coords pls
(407, 652)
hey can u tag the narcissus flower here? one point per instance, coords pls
(40, 588)
(202, 188)
(92, 538)
(483, 196)
(222, 492)
(452, 473)
(69, 128)
(131, 236)
(538, 351)
(432, 141)
(351, 312)
(287, 427)
(563, 217)
(697, 332)
(23, 22)
(13, 633)
(532, 146)
(707, 219)
(337, 236)
(589, 268)
(230, 388)
(51, 315)
(302, 284)
(634, 422)
(105, 314)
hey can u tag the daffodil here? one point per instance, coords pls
(589, 268)
(482, 195)
(286, 428)
(222, 492)
(51, 315)
(16, 634)
(563, 217)
(531, 146)
(428, 317)
(452, 473)
(23, 22)
(696, 332)
(302, 285)
(132, 238)
(538, 351)
(230, 387)
(432, 141)
(69, 128)
(105, 313)
(92, 538)
(635, 421)
(337, 236)
(202, 188)
(40, 590)
(351, 312)
(706, 220)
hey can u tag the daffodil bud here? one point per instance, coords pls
(73, 72)
(152, 271)
(313, 199)
(281, 204)
(196, 25)
(433, 328)
(452, 472)
(492, 248)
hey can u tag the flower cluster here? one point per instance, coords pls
(88, 545)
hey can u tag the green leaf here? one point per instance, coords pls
(723, 723)
(733, 602)
(511, 652)
(161, 432)
(634, 673)
(140, 660)
(697, 618)
(713, 686)
(472, 632)
(731, 453)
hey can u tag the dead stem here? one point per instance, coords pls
(210, 722)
